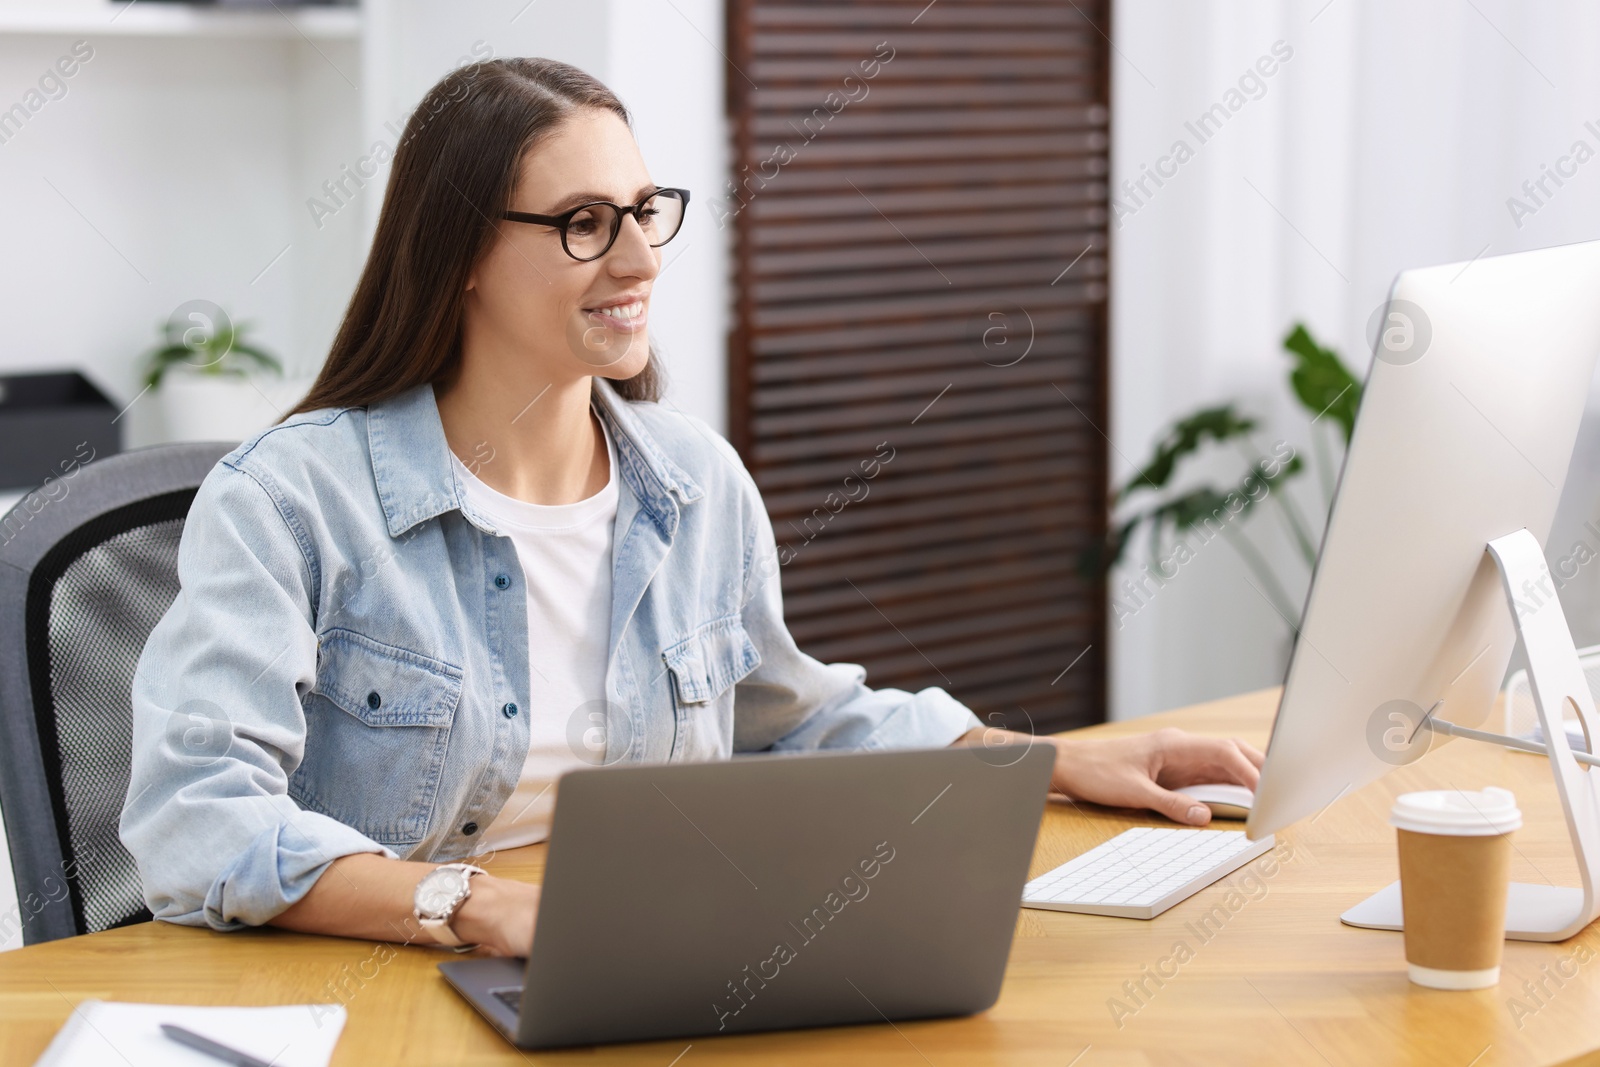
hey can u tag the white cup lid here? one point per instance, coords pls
(1456, 813)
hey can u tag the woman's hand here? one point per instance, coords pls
(499, 916)
(1141, 771)
(371, 897)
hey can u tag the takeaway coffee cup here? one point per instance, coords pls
(1455, 863)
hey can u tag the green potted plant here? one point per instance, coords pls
(204, 373)
(1179, 523)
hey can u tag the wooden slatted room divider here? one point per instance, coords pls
(918, 365)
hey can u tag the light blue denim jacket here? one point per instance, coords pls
(346, 667)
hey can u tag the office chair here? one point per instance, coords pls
(88, 565)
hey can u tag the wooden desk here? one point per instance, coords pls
(1280, 981)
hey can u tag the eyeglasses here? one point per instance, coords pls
(589, 231)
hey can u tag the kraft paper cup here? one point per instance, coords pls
(1455, 865)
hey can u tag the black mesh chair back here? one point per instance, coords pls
(88, 565)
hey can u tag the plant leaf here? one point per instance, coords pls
(1191, 511)
(224, 352)
(261, 358)
(1321, 382)
(1184, 438)
(1102, 557)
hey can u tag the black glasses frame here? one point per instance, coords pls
(561, 221)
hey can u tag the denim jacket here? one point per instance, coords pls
(346, 666)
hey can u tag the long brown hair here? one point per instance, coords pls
(455, 170)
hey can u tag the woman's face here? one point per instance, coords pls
(529, 300)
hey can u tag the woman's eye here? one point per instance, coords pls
(650, 212)
(582, 225)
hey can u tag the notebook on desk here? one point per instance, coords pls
(101, 1032)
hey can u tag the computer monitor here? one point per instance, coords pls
(1466, 426)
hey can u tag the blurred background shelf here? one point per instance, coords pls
(148, 19)
(236, 154)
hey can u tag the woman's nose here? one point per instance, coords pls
(632, 254)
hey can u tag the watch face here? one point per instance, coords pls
(438, 890)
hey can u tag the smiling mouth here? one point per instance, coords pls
(627, 316)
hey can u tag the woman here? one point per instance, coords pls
(480, 553)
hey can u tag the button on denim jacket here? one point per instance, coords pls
(346, 666)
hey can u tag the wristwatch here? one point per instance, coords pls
(439, 895)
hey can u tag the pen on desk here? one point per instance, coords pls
(211, 1048)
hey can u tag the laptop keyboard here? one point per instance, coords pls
(510, 996)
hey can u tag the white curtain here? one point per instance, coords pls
(1341, 143)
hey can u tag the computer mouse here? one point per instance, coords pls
(1225, 801)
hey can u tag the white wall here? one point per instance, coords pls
(1392, 138)
(664, 66)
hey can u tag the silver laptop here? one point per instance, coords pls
(771, 892)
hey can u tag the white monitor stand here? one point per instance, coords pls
(1536, 912)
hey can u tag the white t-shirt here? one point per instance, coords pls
(565, 553)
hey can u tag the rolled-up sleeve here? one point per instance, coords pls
(218, 724)
(793, 702)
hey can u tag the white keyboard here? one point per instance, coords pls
(1142, 872)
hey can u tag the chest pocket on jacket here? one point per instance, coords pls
(377, 727)
(707, 663)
